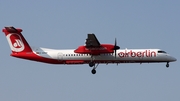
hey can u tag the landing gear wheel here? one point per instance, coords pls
(91, 64)
(167, 65)
(93, 71)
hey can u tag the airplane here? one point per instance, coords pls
(92, 53)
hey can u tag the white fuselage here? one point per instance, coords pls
(123, 55)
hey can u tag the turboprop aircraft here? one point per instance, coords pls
(92, 53)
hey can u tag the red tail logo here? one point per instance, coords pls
(15, 42)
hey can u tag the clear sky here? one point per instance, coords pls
(62, 24)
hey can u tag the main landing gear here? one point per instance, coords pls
(93, 64)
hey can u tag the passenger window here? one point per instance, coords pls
(37, 52)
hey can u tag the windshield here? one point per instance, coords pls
(160, 51)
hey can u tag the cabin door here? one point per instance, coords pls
(60, 56)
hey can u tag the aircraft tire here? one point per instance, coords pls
(167, 65)
(93, 71)
(91, 64)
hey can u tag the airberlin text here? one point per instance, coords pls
(130, 53)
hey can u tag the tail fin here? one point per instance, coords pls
(16, 40)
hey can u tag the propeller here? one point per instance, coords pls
(115, 47)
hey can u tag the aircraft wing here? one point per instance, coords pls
(92, 41)
(93, 47)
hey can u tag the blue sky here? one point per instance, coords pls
(64, 24)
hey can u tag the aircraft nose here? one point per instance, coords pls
(173, 59)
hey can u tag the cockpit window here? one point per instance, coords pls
(161, 51)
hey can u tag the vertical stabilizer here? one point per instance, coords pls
(16, 40)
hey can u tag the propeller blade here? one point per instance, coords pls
(115, 44)
(115, 47)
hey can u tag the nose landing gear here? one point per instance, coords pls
(167, 65)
